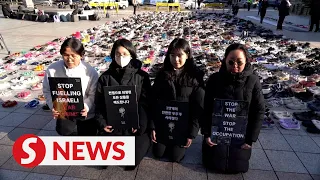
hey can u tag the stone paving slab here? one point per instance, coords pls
(259, 174)
(72, 178)
(36, 122)
(315, 177)
(117, 173)
(316, 140)
(33, 176)
(154, 170)
(15, 134)
(268, 142)
(88, 172)
(259, 160)
(284, 161)
(188, 172)
(291, 176)
(11, 164)
(52, 170)
(51, 126)
(12, 175)
(311, 162)
(5, 153)
(214, 176)
(5, 130)
(302, 144)
(14, 119)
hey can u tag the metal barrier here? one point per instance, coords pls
(105, 5)
(168, 5)
(215, 5)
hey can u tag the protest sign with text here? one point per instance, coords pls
(121, 106)
(67, 97)
(229, 120)
(171, 121)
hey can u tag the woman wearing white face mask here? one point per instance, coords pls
(125, 70)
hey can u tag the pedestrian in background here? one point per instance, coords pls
(259, 6)
(134, 3)
(263, 9)
(315, 15)
(284, 8)
(249, 2)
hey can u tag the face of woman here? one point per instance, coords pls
(178, 58)
(236, 61)
(122, 56)
(71, 58)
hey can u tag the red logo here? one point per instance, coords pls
(29, 150)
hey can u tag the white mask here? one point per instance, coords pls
(123, 61)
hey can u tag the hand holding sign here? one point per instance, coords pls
(209, 142)
(246, 146)
(134, 130)
(108, 129)
(153, 136)
(189, 142)
(55, 114)
(84, 112)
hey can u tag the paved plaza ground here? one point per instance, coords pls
(279, 153)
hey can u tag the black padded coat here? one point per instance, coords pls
(188, 90)
(130, 75)
(244, 86)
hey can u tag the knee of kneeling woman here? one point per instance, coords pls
(178, 156)
(158, 153)
(178, 159)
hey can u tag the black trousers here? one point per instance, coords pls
(134, 10)
(76, 127)
(175, 153)
(280, 22)
(225, 159)
(249, 6)
(262, 15)
(314, 21)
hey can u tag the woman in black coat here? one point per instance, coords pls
(179, 80)
(315, 15)
(125, 69)
(234, 81)
(284, 9)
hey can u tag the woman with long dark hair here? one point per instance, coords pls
(236, 82)
(125, 70)
(178, 80)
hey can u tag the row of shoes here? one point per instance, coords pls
(288, 69)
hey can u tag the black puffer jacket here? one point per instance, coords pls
(130, 75)
(284, 9)
(168, 87)
(244, 86)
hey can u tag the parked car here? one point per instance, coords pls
(123, 4)
(192, 4)
(139, 2)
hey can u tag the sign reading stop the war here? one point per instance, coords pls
(230, 119)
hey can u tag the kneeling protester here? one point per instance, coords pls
(69, 87)
(121, 99)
